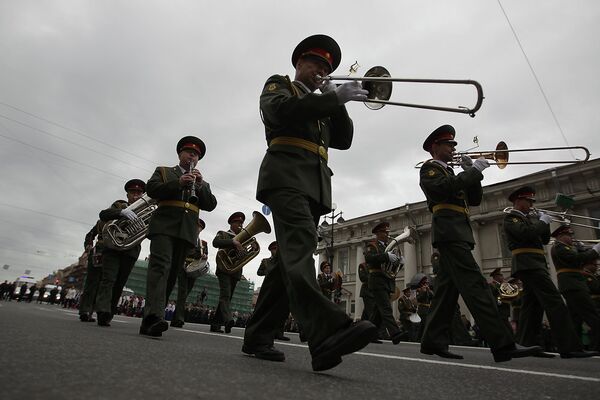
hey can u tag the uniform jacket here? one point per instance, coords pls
(375, 255)
(112, 213)
(571, 257)
(327, 283)
(266, 266)
(177, 222)
(406, 307)
(224, 240)
(288, 110)
(523, 231)
(363, 275)
(441, 186)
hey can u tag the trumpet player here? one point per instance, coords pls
(116, 264)
(526, 235)
(227, 281)
(181, 192)
(569, 259)
(590, 272)
(295, 182)
(449, 197)
(185, 282)
(503, 304)
(381, 285)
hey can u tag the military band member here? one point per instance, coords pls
(406, 307)
(227, 281)
(569, 259)
(424, 296)
(266, 266)
(526, 235)
(449, 197)
(381, 285)
(326, 280)
(93, 275)
(295, 182)
(185, 283)
(181, 192)
(365, 293)
(117, 264)
(503, 304)
(590, 272)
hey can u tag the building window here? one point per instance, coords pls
(343, 261)
(595, 213)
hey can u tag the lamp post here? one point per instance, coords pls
(324, 231)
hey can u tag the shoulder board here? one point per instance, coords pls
(433, 168)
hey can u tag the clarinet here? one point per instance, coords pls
(192, 197)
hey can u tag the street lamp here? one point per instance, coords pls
(324, 231)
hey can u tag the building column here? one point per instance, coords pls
(358, 304)
(409, 251)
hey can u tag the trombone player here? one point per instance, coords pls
(569, 259)
(526, 236)
(448, 198)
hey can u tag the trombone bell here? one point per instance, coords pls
(378, 90)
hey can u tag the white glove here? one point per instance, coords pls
(393, 258)
(129, 214)
(545, 218)
(350, 91)
(480, 164)
(597, 248)
(465, 162)
(328, 86)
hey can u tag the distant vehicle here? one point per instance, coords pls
(48, 288)
(29, 280)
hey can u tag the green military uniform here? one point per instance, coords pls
(381, 286)
(503, 304)
(449, 197)
(593, 283)
(173, 231)
(295, 182)
(326, 283)
(424, 299)
(407, 307)
(365, 293)
(93, 274)
(227, 284)
(569, 261)
(266, 266)
(116, 267)
(526, 237)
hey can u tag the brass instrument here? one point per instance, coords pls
(378, 82)
(123, 234)
(232, 260)
(506, 291)
(566, 218)
(197, 267)
(409, 234)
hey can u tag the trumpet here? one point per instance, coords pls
(378, 82)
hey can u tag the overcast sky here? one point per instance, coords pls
(93, 93)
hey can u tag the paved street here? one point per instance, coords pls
(46, 353)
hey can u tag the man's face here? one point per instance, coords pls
(236, 226)
(187, 156)
(499, 278)
(443, 151)
(383, 235)
(133, 195)
(327, 269)
(566, 238)
(307, 70)
(523, 205)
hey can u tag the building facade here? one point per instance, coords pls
(579, 181)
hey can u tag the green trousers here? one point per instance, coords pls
(227, 284)
(185, 284)
(166, 254)
(382, 316)
(541, 295)
(90, 286)
(460, 274)
(292, 284)
(582, 309)
(116, 267)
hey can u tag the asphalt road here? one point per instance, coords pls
(47, 353)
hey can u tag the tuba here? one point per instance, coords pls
(506, 291)
(408, 235)
(232, 260)
(123, 234)
(196, 267)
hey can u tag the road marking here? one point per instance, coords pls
(421, 360)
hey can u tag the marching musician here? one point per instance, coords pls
(227, 281)
(116, 264)
(449, 197)
(381, 285)
(503, 304)
(526, 235)
(365, 293)
(590, 271)
(424, 296)
(185, 282)
(406, 307)
(266, 266)
(93, 275)
(569, 258)
(295, 182)
(326, 280)
(181, 192)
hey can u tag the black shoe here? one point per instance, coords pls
(396, 338)
(345, 341)
(86, 318)
(302, 337)
(153, 326)
(282, 338)
(228, 326)
(376, 341)
(177, 324)
(441, 353)
(543, 354)
(104, 319)
(579, 354)
(264, 352)
(515, 351)
(216, 328)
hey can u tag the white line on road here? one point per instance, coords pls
(392, 357)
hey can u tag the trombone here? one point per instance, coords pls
(378, 82)
(563, 218)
